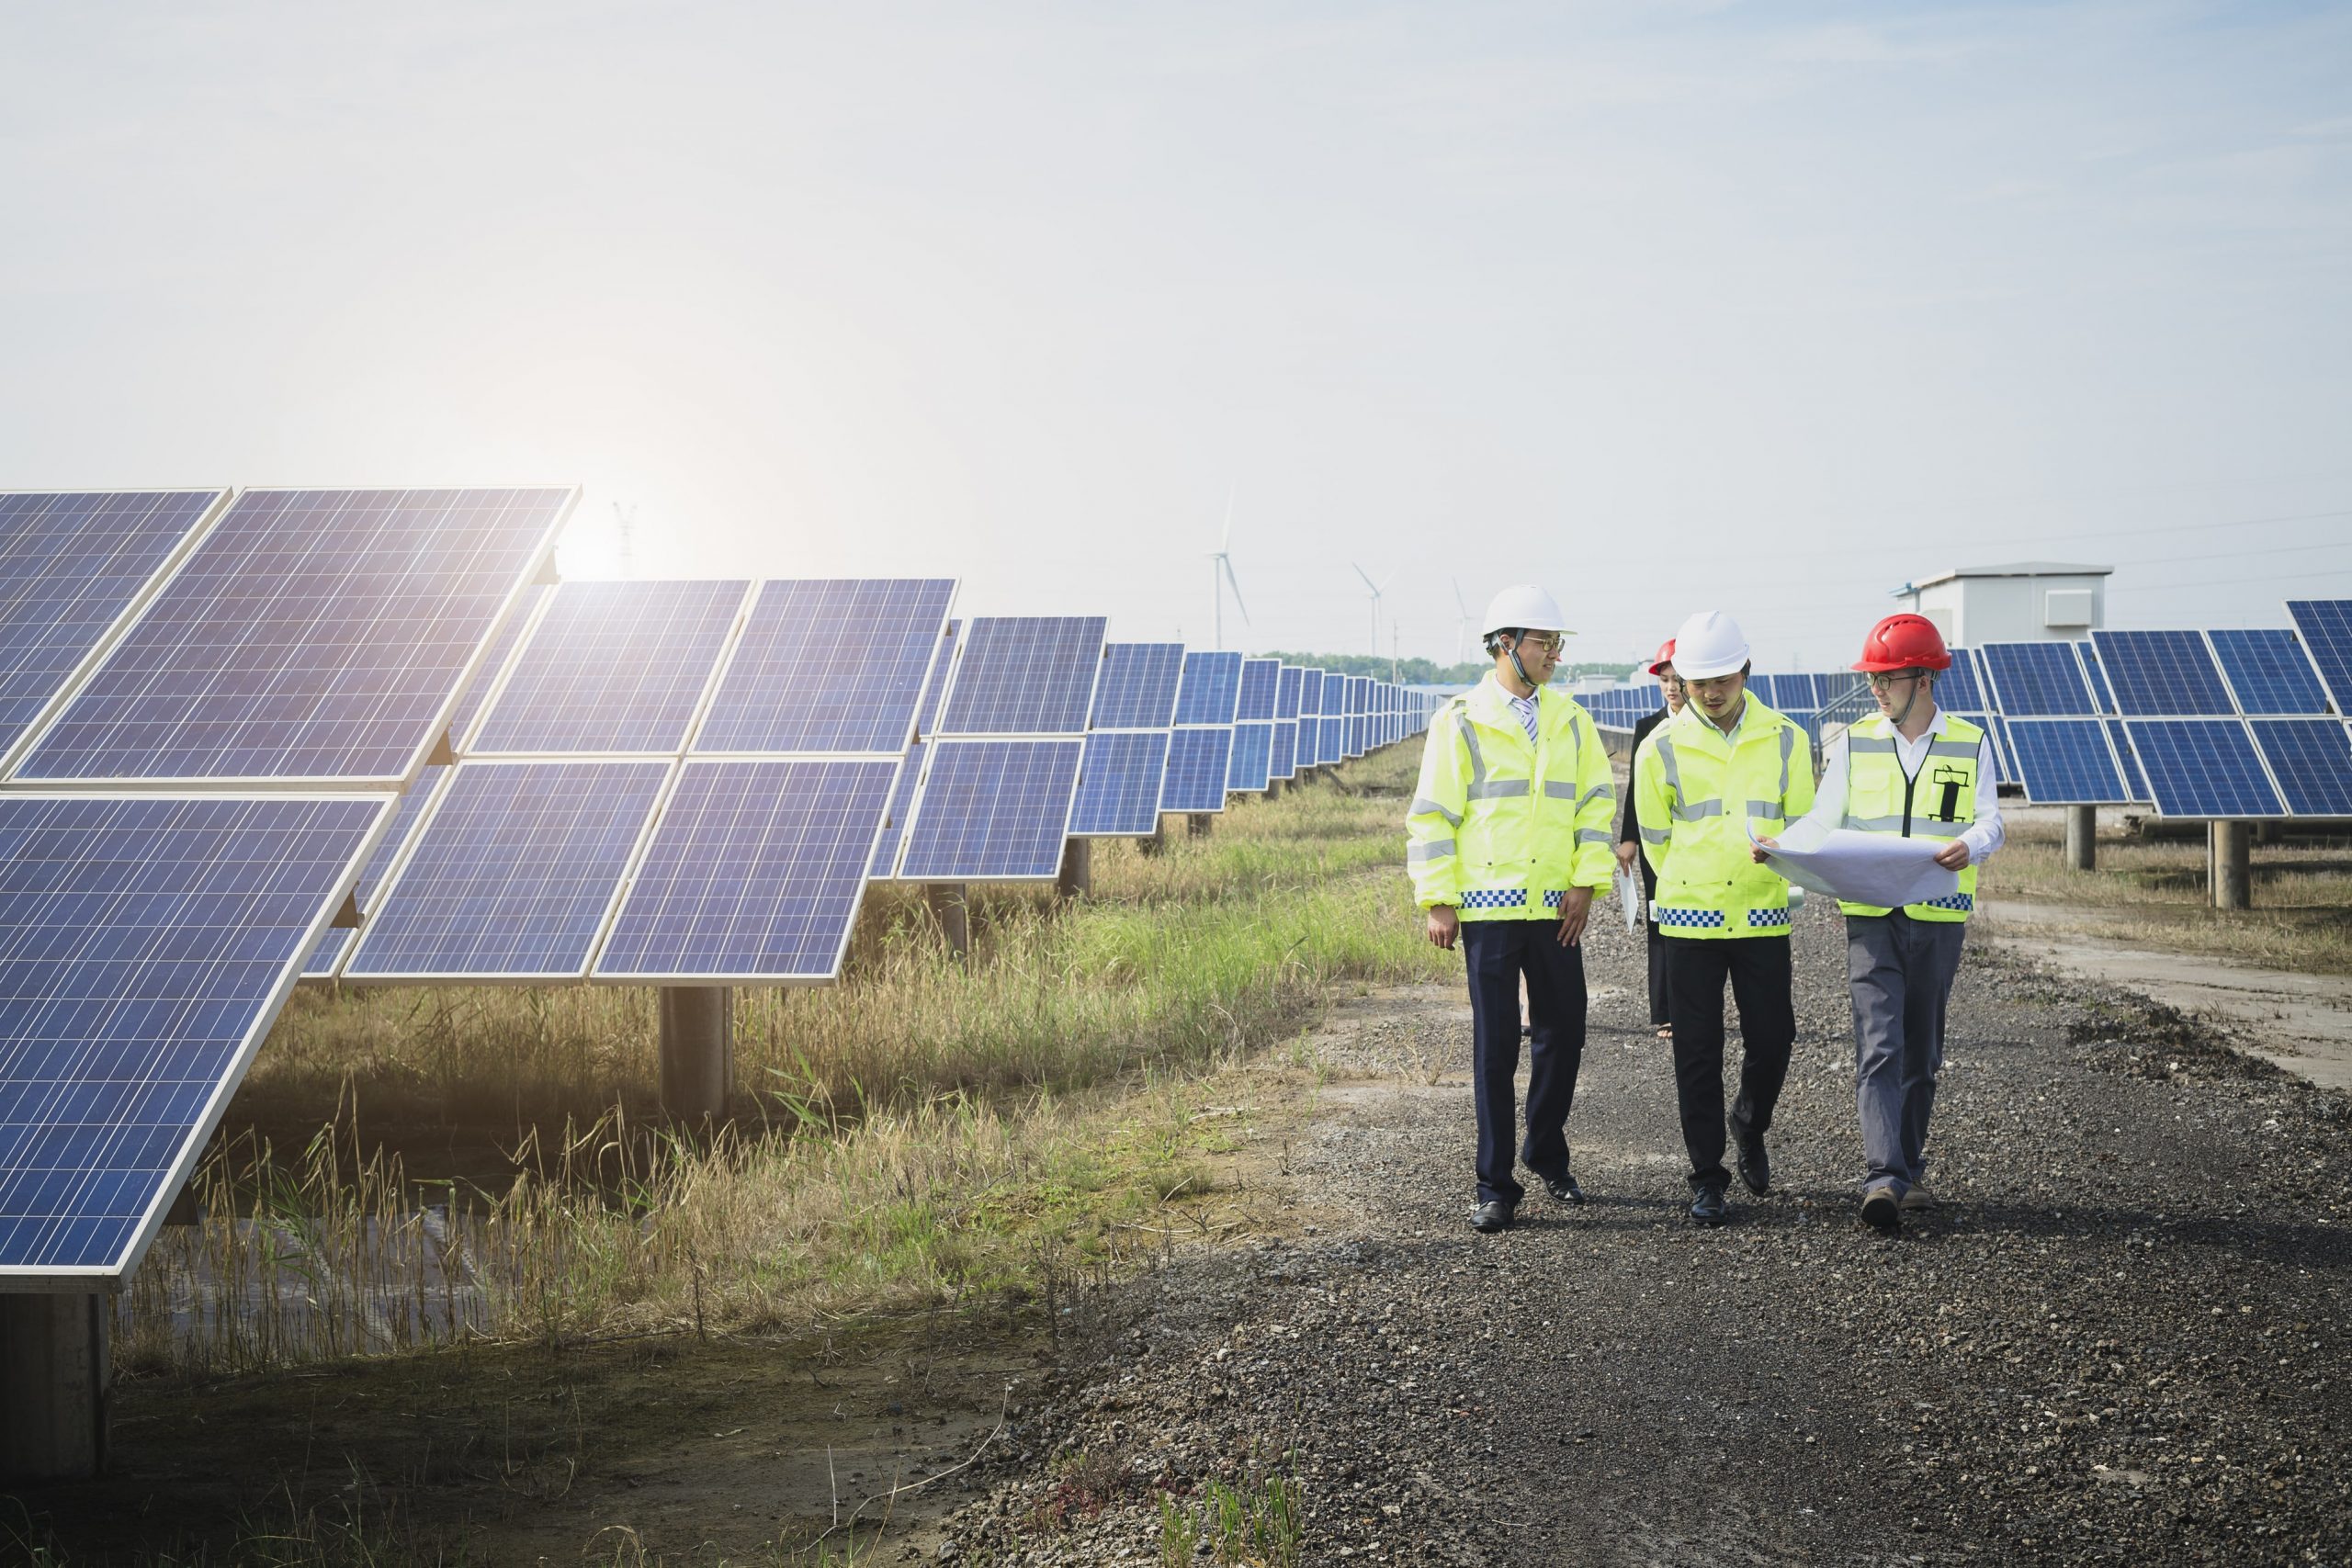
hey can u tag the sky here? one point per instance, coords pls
(1664, 306)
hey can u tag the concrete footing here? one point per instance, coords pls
(54, 1377)
(2082, 838)
(948, 908)
(1077, 878)
(2229, 864)
(697, 1050)
(1196, 823)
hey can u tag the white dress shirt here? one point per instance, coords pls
(1983, 836)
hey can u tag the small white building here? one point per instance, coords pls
(2031, 601)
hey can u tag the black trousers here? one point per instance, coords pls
(1497, 953)
(1758, 968)
(1657, 943)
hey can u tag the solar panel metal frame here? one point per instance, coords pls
(2118, 740)
(2325, 627)
(499, 650)
(912, 762)
(2061, 732)
(537, 567)
(33, 1279)
(124, 618)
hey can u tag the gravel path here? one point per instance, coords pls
(2121, 1341)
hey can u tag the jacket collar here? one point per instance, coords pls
(1492, 706)
(1756, 722)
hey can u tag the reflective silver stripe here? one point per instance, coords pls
(1873, 824)
(1655, 835)
(1598, 792)
(1857, 745)
(1478, 759)
(1788, 745)
(1683, 813)
(1763, 808)
(1559, 789)
(1592, 836)
(1435, 849)
(1952, 748)
(1498, 789)
(1424, 806)
(1670, 764)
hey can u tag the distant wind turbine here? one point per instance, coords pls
(1376, 588)
(1221, 576)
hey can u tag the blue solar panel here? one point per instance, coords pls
(2004, 768)
(513, 873)
(1025, 675)
(2311, 760)
(72, 567)
(2268, 671)
(1958, 689)
(2036, 680)
(310, 634)
(993, 810)
(613, 667)
(1198, 761)
(2065, 761)
(1261, 682)
(1139, 682)
(1332, 739)
(2102, 694)
(406, 815)
(1118, 784)
(1212, 688)
(902, 793)
(1281, 758)
(2163, 674)
(2326, 626)
(2203, 767)
(828, 665)
(145, 945)
(1310, 692)
(1286, 692)
(2134, 779)
(1249, 766)
(493, 661)
(753, 873)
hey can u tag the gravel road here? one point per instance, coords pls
(2120, 1340)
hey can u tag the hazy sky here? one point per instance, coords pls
(1665, 306)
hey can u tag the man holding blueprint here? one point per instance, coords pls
(1905, 813)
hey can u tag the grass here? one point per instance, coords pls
(927, 1131)
(2154, 893)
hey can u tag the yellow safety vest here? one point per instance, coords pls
(1935, 806)
(1698, 798)
(1501, 828)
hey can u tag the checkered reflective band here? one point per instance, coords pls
(1711, 918)
(1964, 902)
(1494, 898)
(1552, 898)
(1777, 918)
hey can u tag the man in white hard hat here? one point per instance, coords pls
(1725, 766)
(1507, 840)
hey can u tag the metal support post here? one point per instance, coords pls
(949, 909)
(2082, 838)
(54, 1376)
(697, 1050)
(1159, 840)
(1077, 878)
(1197, 823)
(2233, 865)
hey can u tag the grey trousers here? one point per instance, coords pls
(1902, 972)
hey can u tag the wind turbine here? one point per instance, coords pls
(1461, 627)
(1376, 588)
(1221, 575)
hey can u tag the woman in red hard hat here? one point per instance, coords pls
(1917, 772)
(1629, 835)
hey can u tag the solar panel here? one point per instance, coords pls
(478, 690)
(1139, 688)
(2311, 760)
(2134, 779)
(406, 814)
(1958, 688)
(1024, 675)
(1212, 688)
(828, 665)
(2036, 680)
(2268, 671)
(2163, 674)
(2102, 693)
(1118, 784)
(2326, 626)
(992, 810)
(73, 566)
(2065, 761)
(752, 874)
(613, 667)
(1286, 691)
(145, 945)
(1249, 767)
(1198, 761)
(2202, 767)
(513, 874)
(2004, 761)
(1332, 739)
(1281, 756)
(310, 634)
(902, 793)
(1260, 688)
(1310, 692)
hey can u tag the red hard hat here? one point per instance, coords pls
(1665, 656)
(1904, 641)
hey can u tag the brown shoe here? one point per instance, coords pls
(1915, 1197)
(1881, 1210)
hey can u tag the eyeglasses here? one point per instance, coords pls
(1552, 644)
(1885, 680)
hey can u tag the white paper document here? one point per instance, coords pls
(1629, 898)
(1863, 868)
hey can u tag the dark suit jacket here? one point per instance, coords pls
(1629, 831)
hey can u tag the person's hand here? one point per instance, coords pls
(1574, 908)
(1757, 851)
(1626, 851)
(1444, 925)
(1953, 856)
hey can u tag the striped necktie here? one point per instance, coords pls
(1527, 720)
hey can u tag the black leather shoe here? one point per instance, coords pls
(1709, 1206)
(1747, 1154)
(1881, 1210)
(1488, 1218)
(1564, 1189)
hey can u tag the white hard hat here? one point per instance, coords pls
(1709, 644)
(1527, 607)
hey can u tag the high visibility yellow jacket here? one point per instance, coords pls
(1937, 806)
(1499, 829)
(1696, 799)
